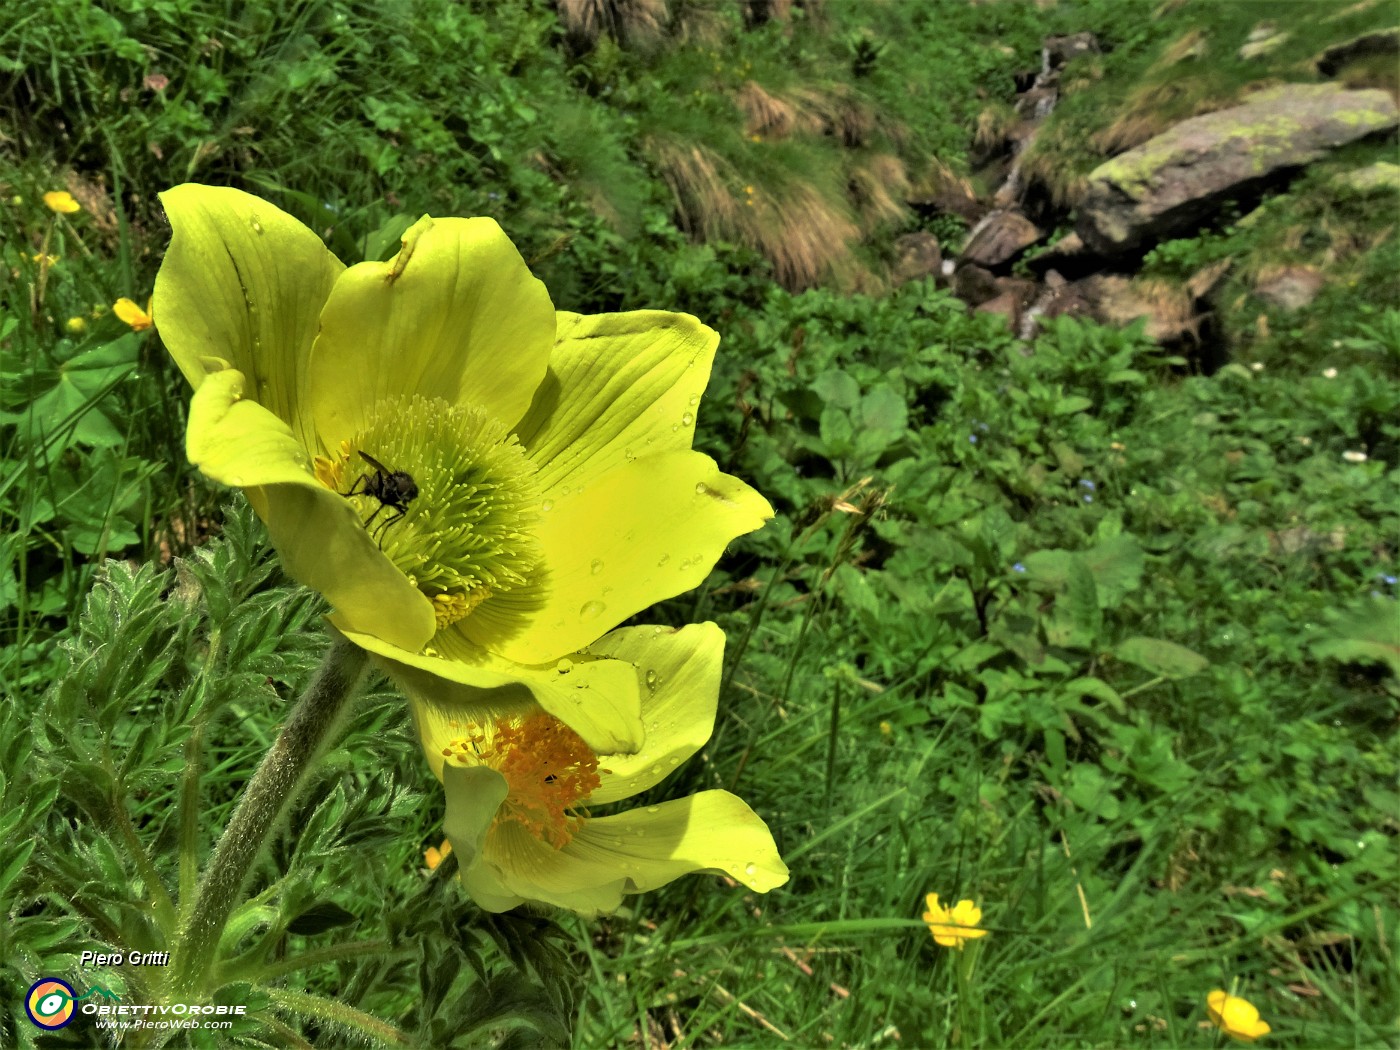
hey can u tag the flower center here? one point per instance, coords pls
(449, 496)
(547, 767)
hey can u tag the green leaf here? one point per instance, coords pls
(320, 917)
(1161, 657)
(1067, 406)
(837, 388)
(1366, 634)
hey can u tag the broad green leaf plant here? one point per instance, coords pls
(482, 488)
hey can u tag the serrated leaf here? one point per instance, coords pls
(1160, 657)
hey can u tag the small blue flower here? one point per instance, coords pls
(1085, 483)
(1088, 498)
(1389, 580)
(983, 427)
(972, 438)
(1018, 567)
(493, 195)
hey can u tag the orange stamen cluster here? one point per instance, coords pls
(547, 767)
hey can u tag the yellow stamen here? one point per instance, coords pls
(449, 608)
(547, 768)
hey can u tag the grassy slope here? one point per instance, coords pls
(911, 712)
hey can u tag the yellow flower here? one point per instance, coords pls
(61, 201)
(951, 928)
(75, 325)
(481, 487)
(518, 780)
(433, 855)
(1236, 1017)
(130, 313)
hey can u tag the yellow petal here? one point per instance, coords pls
(596, 697)
(680, 672)
(620, 386)
(455, 315)
(965, 913)
(61, 201)
(321, 539)
(1236, 1017)
(474, 795)
(245, 282)
(646, 531)
(631, 852)
(129, 313)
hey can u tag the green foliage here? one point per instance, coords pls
(1107, 644)
(168, 689)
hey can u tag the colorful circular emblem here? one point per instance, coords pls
(50, 1003)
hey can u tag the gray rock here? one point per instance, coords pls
(917, 255)
(974, 285)
(1172, 183)
(999, 238)
(1290, 287)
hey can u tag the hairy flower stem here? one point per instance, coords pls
(304, 736)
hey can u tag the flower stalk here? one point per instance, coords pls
(302, 740)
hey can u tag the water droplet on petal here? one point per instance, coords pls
(653, 809)
(701, 489)
(629, 455)
(595, 566)
(750, 869)
(236, 480)
(673, 761)
(591, 610)
(664, 559)
(694, 399)
(687, 419)
(652, 680)
(564, 666)
(547, 505)
(675, 427)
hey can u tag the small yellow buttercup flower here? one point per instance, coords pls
(130, 313)
(62, 202)
(951, 927)
(433, 855)
(75, 325)
(1238, 1018)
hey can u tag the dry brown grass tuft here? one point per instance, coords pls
(993, 123)
(641, 22)
(700, 181)
(1154, 107)
(1045, 170)
(765, 114)
(700, 25)
(938, 178)
(834, 110)
(879, 188)
(805, 235)
(1189, 45)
